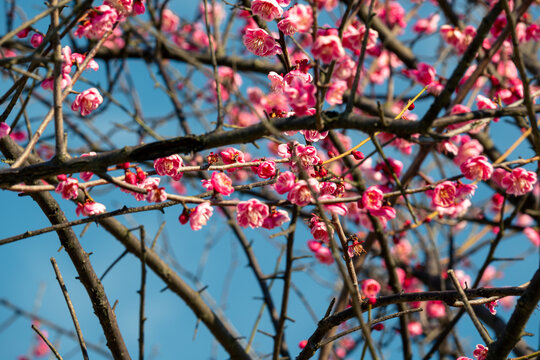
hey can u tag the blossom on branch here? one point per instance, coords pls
(87, 101)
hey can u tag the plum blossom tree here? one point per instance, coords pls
(373, 160)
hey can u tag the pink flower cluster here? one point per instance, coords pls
(68, 187)
(460, 40)
(322, 252)
(87, 101)
(219, 182)
(89, 208)
(169, 166)
(516, 182)
(251, 213)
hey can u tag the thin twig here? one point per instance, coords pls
(54, 351)
(142, 293)
(483, 333)
(71, 308)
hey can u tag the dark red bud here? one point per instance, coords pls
(141, 176)
(378, 327)
(411, 106)
(184, 217)
(358, 155)
(130, 178)
(123, 166)
(62, 177)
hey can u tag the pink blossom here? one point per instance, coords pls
(345, 69)
(328, 188)
(436, 309)
(314, 135)
(147, 183)
(251, 213)
(299, 72)
(320, 231)
(384, 214)
(372, 198)
(216, 12)
(328, 5)
(48, 83)
(87, 175)
(334, 95)
(301, 96)
(477, 168)
(267, 169)
(533, 235)
(484, 103)
(87, 101)
(334, 208)
(414, 328)
(4, 129)
(78, 59)
(36, 40)
(403, 251)
(327, 46)
(498, 175)
(427, 26)
(308, 157)
(396, 165)
(89, 208)
(467, 150)
(480, 353)
(266, 9)
(463, 358)
(169, 21)
(222, 183)
(278, 84)
(231, 156)
(353, 36)
(285, 182)
(371, 288)
(275, 219)
(199, 217)
(519, 181)
(314, 245)
(156, 194)
(465, 191)
(393, 14)
(260, 43)
(444, 194)
(298, 18)
(169, 166)
(324, 255)
(98, 22)
(491, 306)
(68, 187)
(300, 194)
(284, 150)
(207, 184)
(424, 74)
